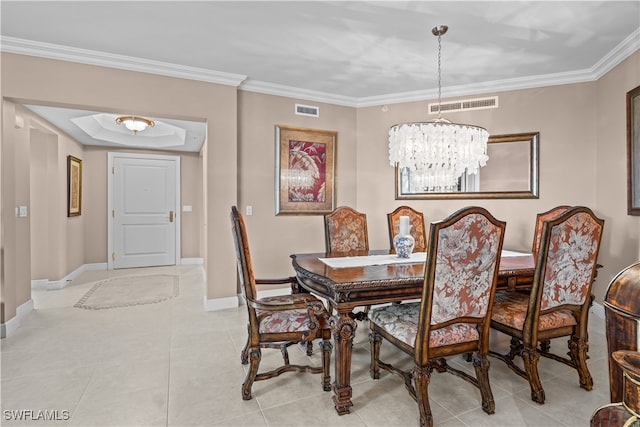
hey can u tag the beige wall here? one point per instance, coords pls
(35, 80)
(95, 171)
(273, 238)
(582, 161)
(621, 241)
(534, 110)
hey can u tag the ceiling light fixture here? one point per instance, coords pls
(437, 152)
(135, 124)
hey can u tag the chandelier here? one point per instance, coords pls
(135, 124)
(438, 152)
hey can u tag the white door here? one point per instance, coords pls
(144, 224)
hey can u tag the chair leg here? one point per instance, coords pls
(254, 358)
(530, 358)
(481, 364)
(515, 348)
(545, 346)
(326, 364)
(374, 342)
(578, 351)
(421, 378)
(285, 353)
(244, 356)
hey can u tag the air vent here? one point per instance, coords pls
(307, 110)
(466, 105)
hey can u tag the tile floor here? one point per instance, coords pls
(174, 364)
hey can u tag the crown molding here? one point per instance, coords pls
(91, 57)
(618, 54)
(47, 50)
(294, 92)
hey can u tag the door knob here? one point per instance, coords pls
(170, 216)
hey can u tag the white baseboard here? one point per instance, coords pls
(192, 261)
(39, 284)
(220, 303)
(50, 285)
(7, 329)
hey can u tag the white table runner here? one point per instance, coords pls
(363, 261)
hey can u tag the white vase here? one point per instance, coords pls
(403, 244)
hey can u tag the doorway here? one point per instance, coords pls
(143, 208)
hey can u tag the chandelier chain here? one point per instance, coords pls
(439, 77)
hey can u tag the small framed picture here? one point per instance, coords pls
(74, 186)
(305, 177)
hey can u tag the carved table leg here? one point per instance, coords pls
(344, 329)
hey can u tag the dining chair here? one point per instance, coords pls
(345, 230)
(453, 314)
(277, 321)
(558, 303)
(416, 220)
(552, 213)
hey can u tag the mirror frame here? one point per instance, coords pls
(533, 193)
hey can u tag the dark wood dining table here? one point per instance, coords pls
(349, 287)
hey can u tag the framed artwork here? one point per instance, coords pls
(633, 151)
(74, 186)
(305, 177)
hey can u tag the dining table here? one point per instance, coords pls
(365, 278)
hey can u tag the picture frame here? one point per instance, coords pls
(512, 172)
(633, 151)
(74, 186)
(305, 171)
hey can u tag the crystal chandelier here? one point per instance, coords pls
(438, 152)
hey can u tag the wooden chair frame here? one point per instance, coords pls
(331, 240)
(552, 213)
(416, 219)
(427, 358)
(525, 341)
(260, 309)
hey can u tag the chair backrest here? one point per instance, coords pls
(345, 230)
(416, 220)
(460, 275)
(552, 213)
(566, 262)
(243, 257)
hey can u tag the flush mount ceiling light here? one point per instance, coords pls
(437, 152)
(135, 124)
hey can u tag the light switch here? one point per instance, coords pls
(187, 208)
(22, 211)
(249, 210)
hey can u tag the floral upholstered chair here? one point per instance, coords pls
(345, 230)
(277, 321)
(416, 220)
(552, 213)
(558, 304)
(453, 315)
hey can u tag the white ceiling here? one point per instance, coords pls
(353, 53)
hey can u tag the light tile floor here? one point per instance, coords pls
(174, 364)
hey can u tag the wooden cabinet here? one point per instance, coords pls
(622, 314)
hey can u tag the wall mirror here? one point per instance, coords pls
(510, 173)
